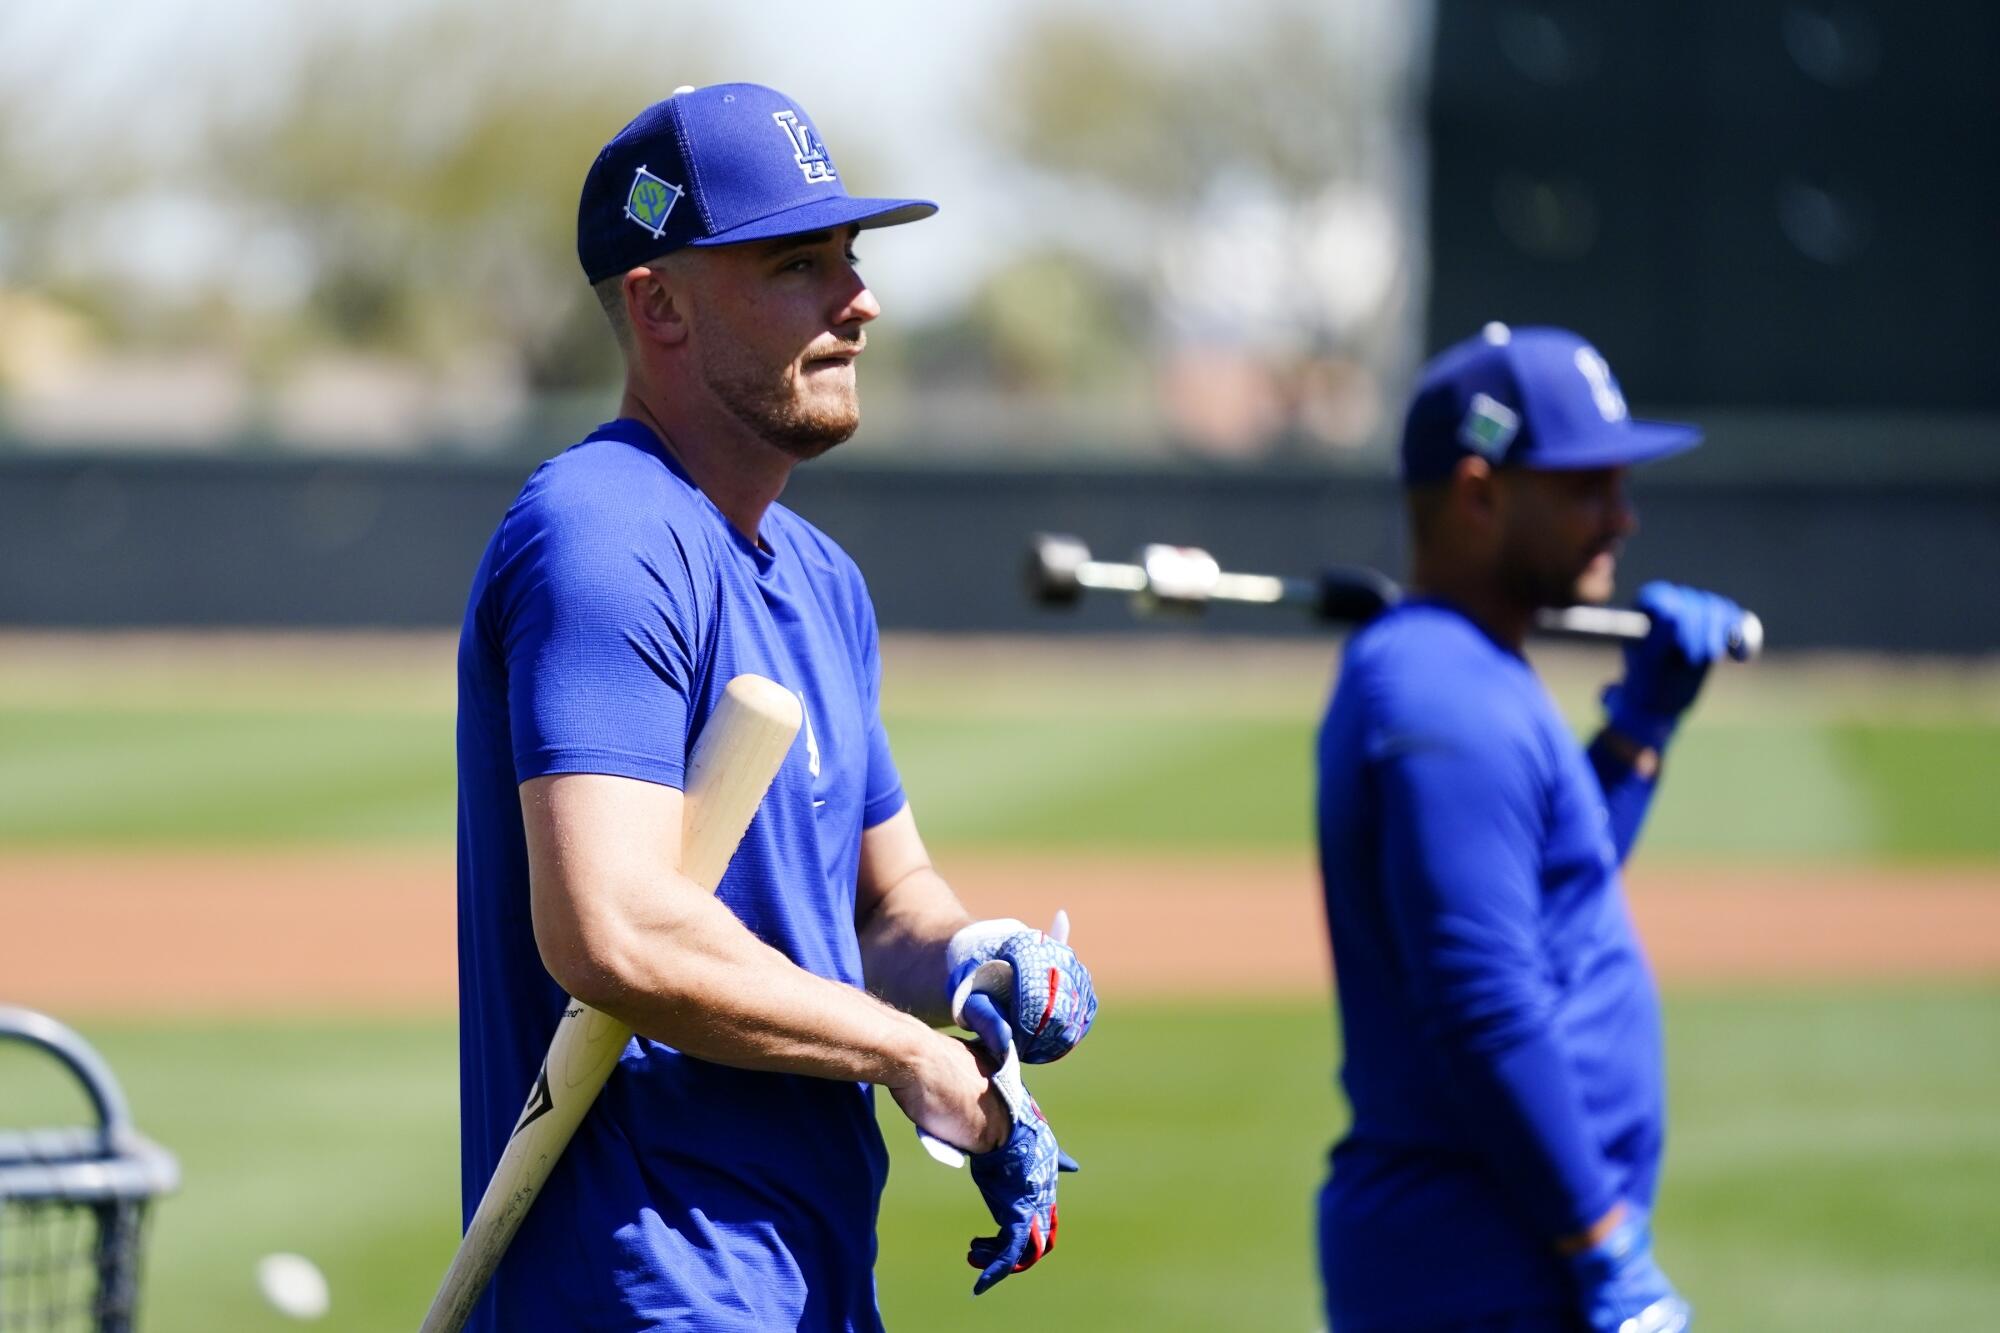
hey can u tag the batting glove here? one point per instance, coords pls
(1664, 670)
(1620, 1287)
(1018, 1179)
(1039, 984)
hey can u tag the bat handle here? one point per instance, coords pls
(1351, 594)
(1616, 624)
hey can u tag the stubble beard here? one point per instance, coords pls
(771, 406)
(1533, 586)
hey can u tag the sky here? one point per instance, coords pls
(899, 71)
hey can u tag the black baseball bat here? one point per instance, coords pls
(1186, 578)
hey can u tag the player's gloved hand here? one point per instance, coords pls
(1621, 1289)
(1040, 985)
(1664, 670)
(1018, 1179)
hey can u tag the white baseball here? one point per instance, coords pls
(293, 1285)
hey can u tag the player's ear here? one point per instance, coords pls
(656, 305)
(1475, 489)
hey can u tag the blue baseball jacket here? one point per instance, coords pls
(1501, 1029)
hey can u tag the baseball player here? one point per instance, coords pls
(1502, 1032)
(728, 1176)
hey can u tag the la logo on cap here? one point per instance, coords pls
(807, 150)
(1603, 389)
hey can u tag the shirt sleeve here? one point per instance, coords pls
(1463, 812)
(598, 620)
(883, 790)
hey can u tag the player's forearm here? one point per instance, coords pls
(688, 973)
(903, 938)
(1627, 773)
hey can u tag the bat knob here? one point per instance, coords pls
(1746, 641)
(1054, 560)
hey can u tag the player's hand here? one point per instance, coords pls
(1664, 670)
(1621, 1289)
(1018, 1179)
(1041, 987)
(952, 1098)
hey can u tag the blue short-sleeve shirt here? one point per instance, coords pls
(611, 607)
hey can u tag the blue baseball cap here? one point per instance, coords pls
(1538, 398)
(716, 166)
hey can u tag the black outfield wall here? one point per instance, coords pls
(116, 540)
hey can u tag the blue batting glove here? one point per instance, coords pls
(1018, 1179)
(1622, 1290)
(1039, 984)
(1664, 670)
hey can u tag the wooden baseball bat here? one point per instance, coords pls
(739, 753)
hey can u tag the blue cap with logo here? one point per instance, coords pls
(1538, 398)
(716, 166)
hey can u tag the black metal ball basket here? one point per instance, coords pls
(73, 1201)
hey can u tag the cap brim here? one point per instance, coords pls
(825, 215)
(1636, 442)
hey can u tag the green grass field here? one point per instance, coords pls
(1087, 748)
(1833, 1167)
(1835, 1155)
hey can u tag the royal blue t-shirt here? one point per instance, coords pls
(612, 606)
(1501, 1029)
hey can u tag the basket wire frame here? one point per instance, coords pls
(74, 1201)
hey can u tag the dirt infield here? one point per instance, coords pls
(179, 933)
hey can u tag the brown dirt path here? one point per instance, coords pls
(294, 932)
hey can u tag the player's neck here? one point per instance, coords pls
(1476, 594)
(741, 474)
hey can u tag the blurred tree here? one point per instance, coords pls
(32, 182)
(1250, 175)
(40, 333)
(1046, 321)
(429, 172)
(1088, 95)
